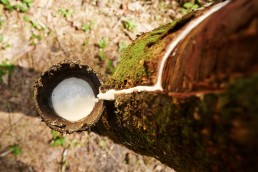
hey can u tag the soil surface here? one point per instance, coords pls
(92, 31)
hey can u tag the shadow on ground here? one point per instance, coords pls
(10, 164)
(17, 91)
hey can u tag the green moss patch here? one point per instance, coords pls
(140, 59)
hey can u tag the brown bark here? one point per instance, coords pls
(220, 48)
(205, 119)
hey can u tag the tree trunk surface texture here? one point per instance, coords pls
(206, 116)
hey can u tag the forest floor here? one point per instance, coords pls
(37, 34)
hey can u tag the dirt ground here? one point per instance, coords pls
(93, 31)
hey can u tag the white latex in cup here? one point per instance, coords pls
(73, 99)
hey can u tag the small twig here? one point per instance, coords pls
(129, 34)
(63, 160)
(111, 155)
(60, 44)
(118, 22)
(5, 153)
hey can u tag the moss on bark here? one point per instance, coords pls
(139, 62)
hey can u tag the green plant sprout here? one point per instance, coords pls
(87, 27)
(102, 43)
(7, 5)
(35, 38)
(129, 25)
(58, 139)
(85, 43)
(15, 149)
(6, 67)
(190, 6)
(102, 143)
(65, 12)
(102, 55)
(33, 23)
(28, 2)
(23, 6)
(3, 45)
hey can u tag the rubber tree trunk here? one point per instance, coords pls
(206, 116)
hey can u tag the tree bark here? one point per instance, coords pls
(206, 116)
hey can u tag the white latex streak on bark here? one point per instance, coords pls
(110, 94)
